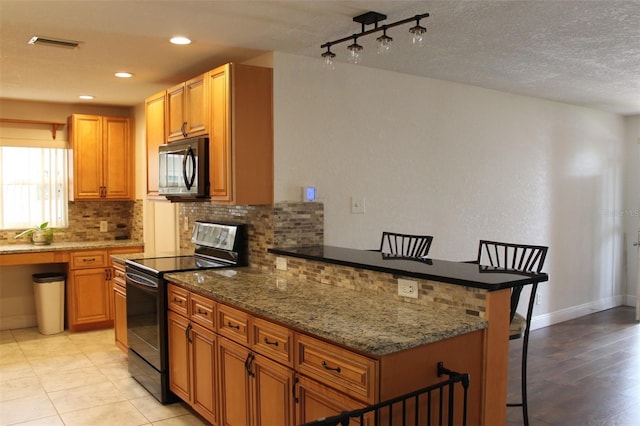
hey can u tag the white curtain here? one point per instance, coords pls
(33, 187)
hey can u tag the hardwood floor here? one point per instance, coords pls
(581, 372)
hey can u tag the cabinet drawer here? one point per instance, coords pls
(273, 341)
(119, 277)
(177, 299)
(339, 368)
(89, 259)
(203, 311)
(233, 324)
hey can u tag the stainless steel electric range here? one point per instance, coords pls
(216, 246)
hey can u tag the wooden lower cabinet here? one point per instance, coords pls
(89, 304)
(316, 401)
(120, 315)
(253, 389)
(193, 366)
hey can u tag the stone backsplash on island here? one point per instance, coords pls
(468, 300)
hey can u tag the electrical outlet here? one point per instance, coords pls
(186, 223)
(538, 298)
(281, 263)
(104, 226)
(407, 288)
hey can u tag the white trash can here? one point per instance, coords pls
(49, 293)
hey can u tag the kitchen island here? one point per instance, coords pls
(332, 348)
(478, 290)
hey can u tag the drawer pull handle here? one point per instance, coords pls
(230, 325)
(93, 259)
(201, 312)
(266, 340)
(326, 366)
(178, 301)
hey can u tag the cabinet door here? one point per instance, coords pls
(204, 373)
(118, 158)
(179, 356)
(120, 315)
(175, 113)
(315, 401)
(219, 136)
(235, 392)
(89, 296)
(156, 136)
(272, 387)
(86, 143)
(196, 107)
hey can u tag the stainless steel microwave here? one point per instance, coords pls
(184, 169)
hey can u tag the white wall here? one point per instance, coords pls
(461, 163)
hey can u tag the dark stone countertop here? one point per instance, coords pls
(459, 273)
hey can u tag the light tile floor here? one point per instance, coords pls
(75, 379)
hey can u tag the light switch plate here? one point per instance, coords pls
(357, 205)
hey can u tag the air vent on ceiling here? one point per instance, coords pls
(48, 41)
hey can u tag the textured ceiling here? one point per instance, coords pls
(581, 52)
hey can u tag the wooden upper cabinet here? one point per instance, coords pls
(101, 163)
(187, 113)
(241, 134)
(155, 113)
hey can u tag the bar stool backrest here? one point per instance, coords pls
(405, 245)
(519, 257)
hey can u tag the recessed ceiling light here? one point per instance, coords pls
(180, 40)
(124, 74)
(88, 97)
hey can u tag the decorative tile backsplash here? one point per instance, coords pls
(124, 219)
(292, 224)
(471, 301)
(268, 225)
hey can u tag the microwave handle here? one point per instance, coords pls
(188, 181)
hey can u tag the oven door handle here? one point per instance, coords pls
(141, 280)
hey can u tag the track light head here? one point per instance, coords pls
(417, 34)
(384, 43)
(354, 51)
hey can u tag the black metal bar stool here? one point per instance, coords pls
(522, 258)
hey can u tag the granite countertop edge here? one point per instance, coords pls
(65, 246)
(369, 323)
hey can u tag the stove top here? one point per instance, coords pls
(216, 246)
(160, 265)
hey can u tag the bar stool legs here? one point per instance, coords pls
(525, 347)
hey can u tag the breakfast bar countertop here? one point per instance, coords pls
(370, 323)
(459, 273)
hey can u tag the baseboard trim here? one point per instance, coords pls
(567, 314)
(18, 321)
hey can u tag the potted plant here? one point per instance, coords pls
(40, 234)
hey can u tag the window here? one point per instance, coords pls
(33, 187)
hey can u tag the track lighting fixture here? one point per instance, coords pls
(384, 41)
